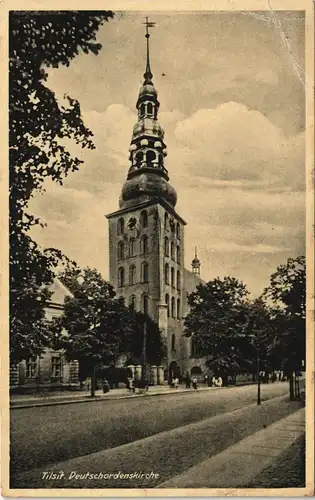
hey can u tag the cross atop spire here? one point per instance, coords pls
(148, 75)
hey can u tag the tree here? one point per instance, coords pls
(94, 326)
(216, 319)
(258, 336)
(39, 127)
(155, 345)
(287, 291)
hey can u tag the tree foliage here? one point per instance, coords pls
(155, 345)
(287, 292)
(94, 325)
(97, 328)
(216, 319)
(39, 125)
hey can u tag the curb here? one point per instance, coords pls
(98, 399)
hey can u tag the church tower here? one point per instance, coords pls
(146, 235)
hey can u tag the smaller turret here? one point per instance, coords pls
(195, 264)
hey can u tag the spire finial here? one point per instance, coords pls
(195, 252)
(148, 75)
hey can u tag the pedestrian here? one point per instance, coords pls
(132, 384)
(105, 385)
(129, 383)
(206, 379)
(187, 381)
(195, 383)
(214, 381)
(176, 382)
(219, 382)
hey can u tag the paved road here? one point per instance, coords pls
(58, 433)
(172, 453)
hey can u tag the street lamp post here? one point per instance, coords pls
(256, 347)
(144, 351)
(258, 377)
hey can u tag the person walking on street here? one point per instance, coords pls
(195, 383)
(187, 381)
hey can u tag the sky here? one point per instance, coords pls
(231, 92)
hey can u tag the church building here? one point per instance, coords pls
(147, 237)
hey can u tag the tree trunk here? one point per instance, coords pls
(291, 387)
(93, 381)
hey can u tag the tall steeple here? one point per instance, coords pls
(147, 176)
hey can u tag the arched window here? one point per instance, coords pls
(166, 221)
(132, 247)
(166, 246)
(144, 244)
(178, 309)
(195, 351)
(178, 280)
(144, 272)
(145, 304)
(120, 226)
(178, 231)
(167, 302)
(173, 342)
(172, 250)
(132, 275)
(121, 276)
(166, 274)
(120, 250)
(151, 157)
(173, 307)
(178, 254)
(149, 108)
(139, 158)
(142, 109)
(172, 277)
(144, 218)
(132, 302)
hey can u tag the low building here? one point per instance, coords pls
(50, 370)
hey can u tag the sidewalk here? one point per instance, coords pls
(25, 401)
(239, 464)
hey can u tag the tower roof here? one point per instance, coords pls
(147, 176)
(196, 262)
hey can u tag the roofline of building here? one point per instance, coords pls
(148, 203)
(65, 288)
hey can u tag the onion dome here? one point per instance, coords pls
(146, 186)
(147, 89)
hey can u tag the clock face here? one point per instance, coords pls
(132, 223)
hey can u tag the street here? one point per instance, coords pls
(180, 430)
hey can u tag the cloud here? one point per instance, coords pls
(233, 143)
